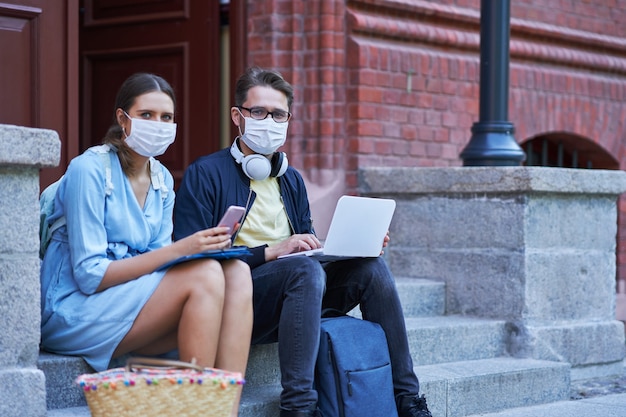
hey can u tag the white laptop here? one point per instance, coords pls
(357, 229)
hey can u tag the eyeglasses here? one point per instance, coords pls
(260, 113)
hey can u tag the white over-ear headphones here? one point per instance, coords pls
(258, 167)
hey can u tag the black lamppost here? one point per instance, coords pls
(492, 141)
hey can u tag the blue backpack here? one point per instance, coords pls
(46, 199)
(353, 370)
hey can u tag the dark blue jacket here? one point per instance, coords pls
(216, 181)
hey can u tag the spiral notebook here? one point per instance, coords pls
(357, 229)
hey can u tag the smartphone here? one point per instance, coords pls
(232, 216)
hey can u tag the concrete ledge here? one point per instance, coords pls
(23, 392)
(470, 180)
(20, 312)
(19, 212)
(533, 246)
(29, 147)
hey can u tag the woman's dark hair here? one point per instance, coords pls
(254, 77)
(134, 86)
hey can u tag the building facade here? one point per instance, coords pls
(377, 82)
(396, 83)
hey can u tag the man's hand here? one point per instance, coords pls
(385, 242)
(295, 243)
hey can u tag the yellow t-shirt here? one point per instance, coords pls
(266, 222)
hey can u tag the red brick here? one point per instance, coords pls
(352, 82)
(369, 128)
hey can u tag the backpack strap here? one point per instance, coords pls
(46, 200)
(157, 178)
(46, 207)
(156, 171)
(103, 152)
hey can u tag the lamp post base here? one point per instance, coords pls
(492, 144)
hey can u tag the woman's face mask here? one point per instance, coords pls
(150, 138)
(264, 136)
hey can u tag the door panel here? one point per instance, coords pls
(38, 78)
(103, 12)
(114, 66)
(17, 40)
(177, 39)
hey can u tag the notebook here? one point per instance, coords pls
(219, 254)
(357, 229)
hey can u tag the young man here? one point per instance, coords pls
(289, 293)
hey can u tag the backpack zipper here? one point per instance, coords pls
(336, 373)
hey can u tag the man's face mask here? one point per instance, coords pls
(150, 138)
(264, 136)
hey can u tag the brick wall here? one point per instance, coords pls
(396, 82)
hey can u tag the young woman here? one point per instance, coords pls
(103, 295)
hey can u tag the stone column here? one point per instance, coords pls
(530, 245)
(23, 151)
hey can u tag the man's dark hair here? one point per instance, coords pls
(254, 77)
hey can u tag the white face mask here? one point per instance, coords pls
(264, 136)
(150, 138)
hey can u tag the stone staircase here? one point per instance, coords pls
(531, 248)
(461, 362)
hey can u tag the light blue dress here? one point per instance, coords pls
(77, 320)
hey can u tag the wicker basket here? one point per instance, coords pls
(155, 387)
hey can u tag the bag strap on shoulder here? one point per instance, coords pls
(157, 178)
(103, 152)
(156, 171)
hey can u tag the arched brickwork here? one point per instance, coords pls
(566, 150)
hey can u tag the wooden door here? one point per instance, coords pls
(38, 71)
(176, 39)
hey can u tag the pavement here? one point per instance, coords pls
(592, 388)
(613, 405)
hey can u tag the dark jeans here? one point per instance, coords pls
(288, 298)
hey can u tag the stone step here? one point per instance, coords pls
(453, 389)
(255, 402)
(70, 412)
(453, 338)
(421, 297)
(458, 389)
(452, 354)
(432, 340)
(605, 406)
(61, 371)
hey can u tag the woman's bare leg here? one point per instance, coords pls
(236, 332)
(236, 329)
(189, 301)
(217, 310)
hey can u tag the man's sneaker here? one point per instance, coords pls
(413, 406)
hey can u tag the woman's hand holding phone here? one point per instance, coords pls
(232, 218)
